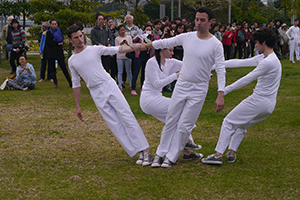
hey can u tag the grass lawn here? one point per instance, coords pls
(46, 152)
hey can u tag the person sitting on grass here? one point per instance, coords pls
(26, 77)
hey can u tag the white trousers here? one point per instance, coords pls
(118, 116)
(294, 48)
(185, 106)
(250, 111)
(156, 105)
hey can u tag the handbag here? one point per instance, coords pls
(130, 55)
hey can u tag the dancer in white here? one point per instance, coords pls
(256, 107)
(294, 40)
(201, 51)
(160, 71)
(86, 63)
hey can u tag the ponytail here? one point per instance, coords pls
(157, 56)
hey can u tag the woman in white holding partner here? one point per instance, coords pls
(160, 71)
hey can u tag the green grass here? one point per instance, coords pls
(46, 152)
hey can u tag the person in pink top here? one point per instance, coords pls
(227, 37)
(122, 60)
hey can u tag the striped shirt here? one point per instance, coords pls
(18, 38)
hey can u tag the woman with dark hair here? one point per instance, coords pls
(54, 50)
(160, 71)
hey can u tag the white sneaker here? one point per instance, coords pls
(167, 163)
(147, 159)
(140, 159)
(157, 161)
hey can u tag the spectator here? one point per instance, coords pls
(234, 30)
(141, 57)
(122, 60)
(247, 34)
(189, 28)
(106, 17)
(6, 38)
(113, 58)
(240, 41)
(184, 21)
(178, 50)
(167, 33)
(157, 31)
(228, 36)
(131, 29)
(284, 41)
(252, 43)
(100, 35)
(54, 50)
(275, 30)
(18, 45)
(149, 22)
(217, 32)
(26, 77)
(173, 26)
(165, 20)
(45, 28)
(213, 21)
(178, 20)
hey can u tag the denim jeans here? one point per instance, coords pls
(121, 63)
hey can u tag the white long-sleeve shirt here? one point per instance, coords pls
(155, 79)
(199, 57)
(294, 31)
(267, 73)
(88, 65)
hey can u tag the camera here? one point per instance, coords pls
(148, 32)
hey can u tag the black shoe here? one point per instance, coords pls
(55, 85)
(11, 72)
(123, 86)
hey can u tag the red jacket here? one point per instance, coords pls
(227, 37)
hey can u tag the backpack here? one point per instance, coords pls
(241, 37)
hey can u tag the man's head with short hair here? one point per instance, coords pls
(72, 29)
(207, 11)
(265, 35)
(203, 20)
(129, 19)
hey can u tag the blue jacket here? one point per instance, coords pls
(26, 76)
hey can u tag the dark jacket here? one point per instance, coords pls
(52, 49)
(99, 36)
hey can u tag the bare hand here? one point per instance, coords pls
(137, 47)
(17, 50)
(219, 104)
(298, 44)
(292, 38)
(79, 115)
